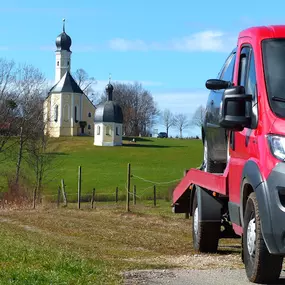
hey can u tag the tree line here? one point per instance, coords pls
(139, 108)
(22, 91)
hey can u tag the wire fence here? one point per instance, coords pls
(129, 192)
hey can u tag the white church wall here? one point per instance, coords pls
(62, 63)
(98, 134)
(107, 136)
(118, 129)
(88, 111)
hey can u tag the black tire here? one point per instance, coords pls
(209, 165)
(206, 236)
(261, 266)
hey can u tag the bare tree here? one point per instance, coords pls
(198, 117)
(181, 122)
(168, 119)
(39, 159)
(85, 82)
(30, 83)
(7, 100)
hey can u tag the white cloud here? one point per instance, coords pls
(127, 45)
(209, 40)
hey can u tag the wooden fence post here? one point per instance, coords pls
(128, 188)
(34, 198)
(58, 196)
(135, 195)
(154, 195)
(63, 193)
(93, 199)
(187, 214)
(117, 194)
(79, 186)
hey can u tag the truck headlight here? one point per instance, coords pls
(277, 146)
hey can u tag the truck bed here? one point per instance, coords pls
(216, 182)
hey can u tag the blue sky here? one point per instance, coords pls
(172, 47)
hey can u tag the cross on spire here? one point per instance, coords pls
(110, 77)
(63, 25)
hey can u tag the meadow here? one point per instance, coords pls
(105, 168)
(70, 246)
(64, 245)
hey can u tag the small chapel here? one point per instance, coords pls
(67, 110)
(108, 121)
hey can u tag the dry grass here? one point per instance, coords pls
(106, 239)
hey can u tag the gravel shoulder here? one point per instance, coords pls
(190, 277)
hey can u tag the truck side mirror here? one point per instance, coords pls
(235, 113)
(216, 84)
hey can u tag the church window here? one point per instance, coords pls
(108, 130)
(98, 130)
(57, 63)
(66, 113)
(75, 114)
(68, 63)
(117, 131)
(56, 113)
(89, 115)
(89, 127)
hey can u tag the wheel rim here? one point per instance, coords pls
(196, 221)
(251, 237)
(205, 156)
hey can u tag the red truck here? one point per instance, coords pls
(240, 188)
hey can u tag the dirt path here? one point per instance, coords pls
(190, 277)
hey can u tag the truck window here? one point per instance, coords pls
(273, 53)
(228, 72)
(243, 66)
(251, 79)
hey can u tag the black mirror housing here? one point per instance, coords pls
(235, 109)
(217, 84)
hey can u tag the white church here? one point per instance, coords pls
(69, 112)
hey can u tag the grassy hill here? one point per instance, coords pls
(105, 168)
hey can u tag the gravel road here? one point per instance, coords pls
(190, 277)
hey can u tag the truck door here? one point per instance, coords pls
(243, 144)
(215, 135)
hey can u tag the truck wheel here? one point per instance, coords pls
(205, 234)
(260, 265)
(210, 165)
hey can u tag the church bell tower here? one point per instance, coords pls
(62, 54)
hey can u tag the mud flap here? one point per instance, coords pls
(210, 209)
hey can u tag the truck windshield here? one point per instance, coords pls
(273, 53)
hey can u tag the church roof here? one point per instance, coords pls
(63, 41)
(66, 85)
(110, 112)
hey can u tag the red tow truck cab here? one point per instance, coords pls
(248, 198)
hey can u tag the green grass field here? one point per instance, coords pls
(105, 168)
(68, 246)
(52, 245)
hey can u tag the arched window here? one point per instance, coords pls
(66, 113)
(57, 63)
(89, 127)
(108, 130)
(75, 114)
(98, 130)
(56, 113)
(68, 63)
(117, 131)
(89, 115)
